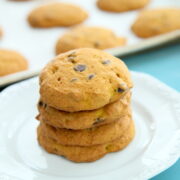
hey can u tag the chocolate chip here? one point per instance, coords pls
(40, 103)
(73, 79)
(106, 62)
(119, 90)
(98, 120)
(96, 44)
(80, 67)
(91, 76)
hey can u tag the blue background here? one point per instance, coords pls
(164, 64)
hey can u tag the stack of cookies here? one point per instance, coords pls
(84, 106)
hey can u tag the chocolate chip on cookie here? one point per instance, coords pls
(80, 67)
(91, 76)
(106, 62)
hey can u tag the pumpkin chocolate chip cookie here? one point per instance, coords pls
(83, 153)
(56, 14)
(154, 22)
(121, 5)
(89, 37)
(11, 62)
(84, 79)
(84, 119)
(87, 137)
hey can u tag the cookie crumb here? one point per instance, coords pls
(40, 103)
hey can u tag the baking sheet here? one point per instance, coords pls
(38, 45)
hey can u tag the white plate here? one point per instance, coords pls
(38, 44)
(156, 111)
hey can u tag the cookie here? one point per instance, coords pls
(86, 154)
(156, 21)
(56, 14)
(87, 137)
(121, 5)
(88, 37)
(84, 79)
(11, 62)
(85, 119)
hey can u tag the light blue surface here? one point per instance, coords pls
(164, 64)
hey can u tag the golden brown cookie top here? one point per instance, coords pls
(84, 79)
(89, 37)
(57, 14)
(153, 22)
(11, 62)
(121, 5)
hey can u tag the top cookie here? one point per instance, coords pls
(90, 37)
(156, 21)
(84, 79)
(11, 62)
(121, 5)
(56, 14)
